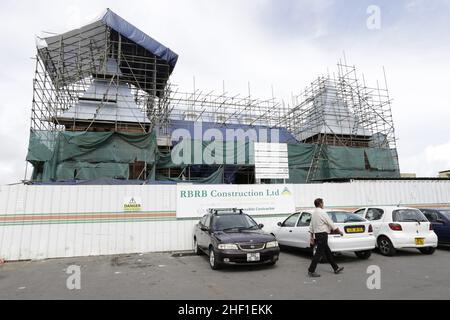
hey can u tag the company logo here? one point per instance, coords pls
(132, 204)
(286, 192)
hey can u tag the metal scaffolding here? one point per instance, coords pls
(95, 79)
(342, 110)
(222, 109)
(97, 66)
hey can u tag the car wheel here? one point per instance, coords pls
(385, 246)
(363, 254)
(427, 250)
(197, 250)
(213, 260)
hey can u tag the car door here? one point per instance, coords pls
(284, 235)
(444, 225)
(375, 216)
(204, 231)
(301, 236)
(437, 224)
(440, 225)
(198, 230)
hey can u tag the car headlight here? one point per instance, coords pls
(271, 244)
(228, 246)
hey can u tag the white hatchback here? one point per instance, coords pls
(358, 234)
(400, 227)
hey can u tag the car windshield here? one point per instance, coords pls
(344, 217)
(408, 215)
(233, 221)
(446, 213)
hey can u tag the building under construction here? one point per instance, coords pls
(104, 110)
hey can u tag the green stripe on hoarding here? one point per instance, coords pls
(83, 213)
(20, 222)
(131, 219)
(52, 222)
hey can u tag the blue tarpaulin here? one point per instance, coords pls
(129, 31)
(256, 133)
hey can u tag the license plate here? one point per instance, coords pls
(354, 230)
(420, 241)
(252, 257)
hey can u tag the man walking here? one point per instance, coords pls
(321, 225)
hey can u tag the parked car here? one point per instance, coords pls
(440, 220)
(358, 234)
(398, 227)
(229, 236)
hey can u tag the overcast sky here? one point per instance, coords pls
(286, 44)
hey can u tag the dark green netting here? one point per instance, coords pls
(300, 158)
(196, 152)
(91, 171)
(214, 178)
(336, 162)
(345, 158)
(381, 159)
(88, 155)
(107, 147)
(95, 155)
(41, 146)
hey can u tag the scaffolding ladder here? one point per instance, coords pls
(315, 161)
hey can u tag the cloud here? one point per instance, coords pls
(439, 154)
(429, 161)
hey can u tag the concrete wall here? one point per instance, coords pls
(39, 222)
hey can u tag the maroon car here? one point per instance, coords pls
(229, 236)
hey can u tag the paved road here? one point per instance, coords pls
(409, 275)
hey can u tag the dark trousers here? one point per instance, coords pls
(323, 250)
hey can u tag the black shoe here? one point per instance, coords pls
(313, 274)
(338, 270)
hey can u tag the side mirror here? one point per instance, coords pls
(203, 228)
(279, 224)
(260, 225)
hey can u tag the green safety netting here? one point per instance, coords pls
(88, 155)
(381, 159)
(91, 171)
(300, 157)
(215, 178)
(197, 152)
(336, 162)
(95, 155)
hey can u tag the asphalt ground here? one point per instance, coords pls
(408, 275)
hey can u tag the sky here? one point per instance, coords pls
(284, 44)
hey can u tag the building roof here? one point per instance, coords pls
(329, 114)
(73, 55)
(103, 103)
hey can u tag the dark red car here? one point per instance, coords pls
(229, 236)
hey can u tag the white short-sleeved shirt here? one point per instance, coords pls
(321, 222)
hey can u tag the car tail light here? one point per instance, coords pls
(431, 226)
(395, 226)
(370, 228)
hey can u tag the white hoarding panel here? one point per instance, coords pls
(40, 222)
